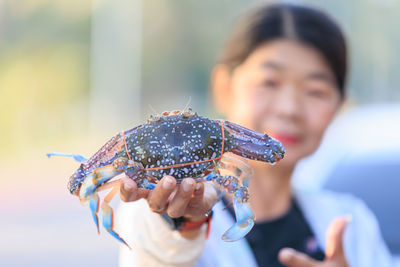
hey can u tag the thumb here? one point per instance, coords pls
(292, 258)
(334, 238)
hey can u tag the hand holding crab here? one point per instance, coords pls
(180, 144)
(187, 199)
(190, 200)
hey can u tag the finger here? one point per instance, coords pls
(198, 192)
(158, 197)
(292, 258)
(130, 192)
(204, 197)
(128, 189)
(179, 202)
(211, 193)
(197, 207)
(334, 238)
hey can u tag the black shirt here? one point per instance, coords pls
(291, 230)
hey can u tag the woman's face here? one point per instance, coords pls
(285, 89)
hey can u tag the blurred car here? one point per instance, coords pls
(360, 154)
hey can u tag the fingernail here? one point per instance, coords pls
(286, 254)
(187, 184)
(168, 183)
(197, 186)
(127, 187)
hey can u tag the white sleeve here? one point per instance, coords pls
(370, 246)
(363, 242)
(153, 242)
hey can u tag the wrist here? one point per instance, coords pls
(188, 223)
(193, 223)
(195, 218)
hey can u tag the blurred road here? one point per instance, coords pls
(42, 224)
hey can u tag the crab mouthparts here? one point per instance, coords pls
(73, 186)
(75, 181)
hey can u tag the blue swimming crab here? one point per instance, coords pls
(181, 144)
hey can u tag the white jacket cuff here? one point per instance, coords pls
(153, 242)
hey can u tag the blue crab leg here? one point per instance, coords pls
(148, 185)
(98, 177)
(108, 215)
(237, 183)
(97, 181)
(94, 207)
(77, 157)
(238, 167)
(211, 176)
(244, 217)
(93, 183)
(243, 213)
(94, 203)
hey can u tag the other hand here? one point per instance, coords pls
(334, 252)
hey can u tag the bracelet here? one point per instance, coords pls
(181, 224)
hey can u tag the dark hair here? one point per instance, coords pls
(305, 24)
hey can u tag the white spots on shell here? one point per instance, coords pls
(200, 138)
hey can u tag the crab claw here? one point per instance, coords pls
(253, 145)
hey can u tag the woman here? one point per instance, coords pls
(282, 72)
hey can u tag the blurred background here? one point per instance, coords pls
(73, 73)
